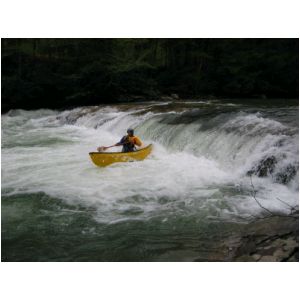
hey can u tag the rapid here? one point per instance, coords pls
(208, 160)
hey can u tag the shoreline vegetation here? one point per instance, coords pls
(67, 73)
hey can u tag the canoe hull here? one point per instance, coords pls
(107, 158)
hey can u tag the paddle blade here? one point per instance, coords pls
(100, 149)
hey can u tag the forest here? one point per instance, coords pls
(63, 73)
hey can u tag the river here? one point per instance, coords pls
(193, 191)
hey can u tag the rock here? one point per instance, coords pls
(166, 98)
(290, 243)
(265, 167)
(280, 254)
(267, 247)
(293, 258)
(278, 242)
(245, 258)
(286, 175)
(272, 228)
(268, 258)
(256, 257)
(269, 250)
(271, 239)
(289, 246)
(175, 96)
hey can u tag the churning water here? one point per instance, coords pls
(193, 190)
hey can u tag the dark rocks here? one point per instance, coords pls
(287, 174)
(268, 258)
(245, 258)
(256, 257)
(166, 98)
(265, 167)
(272, 239)
(170, 98)
(175, 96)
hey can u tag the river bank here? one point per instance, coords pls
(137, 99)
(273, 239)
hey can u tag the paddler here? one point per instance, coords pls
(129, 142)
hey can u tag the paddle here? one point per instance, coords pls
(103, 148)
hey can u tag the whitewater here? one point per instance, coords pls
(208, 159)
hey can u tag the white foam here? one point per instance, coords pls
(190, 169)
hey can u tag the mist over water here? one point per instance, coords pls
(194, 187)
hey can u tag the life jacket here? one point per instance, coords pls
(134, 140)
(130, 142)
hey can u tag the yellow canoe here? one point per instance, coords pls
(103, 159)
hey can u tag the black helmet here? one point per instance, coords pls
(130, 131)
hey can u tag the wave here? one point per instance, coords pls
(238, 141)
(203, 156)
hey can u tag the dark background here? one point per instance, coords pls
(62, 73)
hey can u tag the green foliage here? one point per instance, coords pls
(59, 73)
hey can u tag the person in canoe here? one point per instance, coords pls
(129, 142)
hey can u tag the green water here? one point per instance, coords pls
(36, 227)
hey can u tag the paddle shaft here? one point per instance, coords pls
(104, 148)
